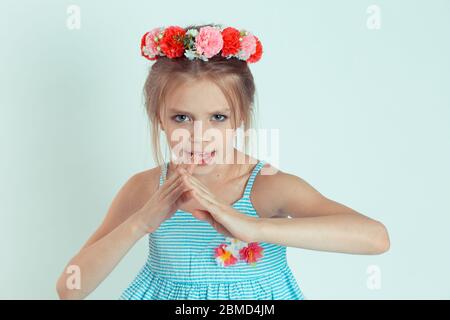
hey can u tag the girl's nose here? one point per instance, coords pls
(201, 132)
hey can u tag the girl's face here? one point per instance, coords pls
(198, 123)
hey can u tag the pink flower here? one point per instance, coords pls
(149, 44)
(248, 46)
(208, 41)
(251, 253)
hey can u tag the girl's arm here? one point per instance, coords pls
(119, 232)
(318, 223)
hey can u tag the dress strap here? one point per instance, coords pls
(256, 169)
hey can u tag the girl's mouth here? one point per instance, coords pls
(201, 158)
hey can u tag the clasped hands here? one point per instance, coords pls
(204, 205)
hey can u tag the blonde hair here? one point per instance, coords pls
(232, 76)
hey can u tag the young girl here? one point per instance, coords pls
(218, 220)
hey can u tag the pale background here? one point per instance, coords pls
(363, 115)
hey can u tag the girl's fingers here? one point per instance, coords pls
(180, 186)
(199, 184)
(202, 190)
(204, 201)
(176, 173)
(172, 182)
(183, 177)
(208, 196)
(171, 185)
(188, 169)
(219, 215)
(177, 191)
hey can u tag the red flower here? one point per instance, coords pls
(172, 43)
(143, 43)
(223, 256)
(231, 43)
(251, 253)
(258, 53)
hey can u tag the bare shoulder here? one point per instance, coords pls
(130, 197)
(138, 189)
(274, 189)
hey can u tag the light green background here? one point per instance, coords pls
(363, 116)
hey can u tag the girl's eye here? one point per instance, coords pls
(180, 118)
(184, 118)
(220, 117)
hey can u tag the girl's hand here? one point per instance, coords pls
(224, 218)
(164, 202)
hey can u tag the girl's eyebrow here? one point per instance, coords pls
(226, 110)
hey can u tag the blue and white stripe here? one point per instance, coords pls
(181, 263)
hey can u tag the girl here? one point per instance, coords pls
(218, 225)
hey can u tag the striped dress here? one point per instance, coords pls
(181, 262)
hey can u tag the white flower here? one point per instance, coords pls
(242, 55)
(192, 32)
(220, 262)
(235, 245)
(190, 54)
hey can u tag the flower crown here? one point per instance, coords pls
(203, 43)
